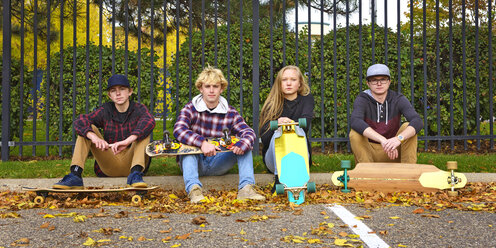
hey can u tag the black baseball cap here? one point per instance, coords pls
(118, 79)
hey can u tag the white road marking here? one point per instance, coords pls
(358, 227)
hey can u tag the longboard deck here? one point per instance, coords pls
(391, 177)
(86, 190)
(157, 147)
(291, 153)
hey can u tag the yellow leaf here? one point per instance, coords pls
(297, 241)
(400, 245)
(80, 218)
(103, 240)
(314, 241)
(394, 217)
(89, 242)
(48, 216)
(341, 242)
(242, 232)
(172, 196)
(358, 218)
(176, 245)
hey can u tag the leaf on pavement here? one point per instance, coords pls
(199, 220)
(418, 211)
(20, 242)
(183, 237)
(89, 242)
(342, 242)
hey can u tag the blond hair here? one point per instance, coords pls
(272, 108)
(211, 75)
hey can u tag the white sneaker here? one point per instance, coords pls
(247, 192)
(195, 195)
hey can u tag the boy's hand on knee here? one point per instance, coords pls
(100, 143)
(238, 151)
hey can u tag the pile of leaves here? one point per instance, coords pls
(474, 197)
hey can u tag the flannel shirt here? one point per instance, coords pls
(138, 122)
(193, 127)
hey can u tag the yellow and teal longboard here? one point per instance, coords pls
(291, 153)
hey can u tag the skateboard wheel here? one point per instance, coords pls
(452, 193)
(452, 165)
(311, 187)
(345, 164)
(279, 189)
(273, 125)
(39, 200)
(136, 199)
(302, 122)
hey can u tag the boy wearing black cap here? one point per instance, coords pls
(120, 151)
(377, 134)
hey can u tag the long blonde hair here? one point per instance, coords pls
(272, 108)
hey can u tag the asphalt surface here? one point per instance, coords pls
(127, 226)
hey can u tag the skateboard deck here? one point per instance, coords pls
(42, 193)
(391, 177)
(291, 154)
(167, 147)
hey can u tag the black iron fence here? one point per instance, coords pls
(57, 56)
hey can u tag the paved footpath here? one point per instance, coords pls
(176, 182)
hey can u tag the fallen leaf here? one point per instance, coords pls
(21, 242)
(89, 242)
(343, 234)
(199, 220)
(418, 211)
(183, 237)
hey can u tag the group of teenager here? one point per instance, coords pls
(118, 131)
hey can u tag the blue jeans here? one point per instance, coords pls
(194, 166)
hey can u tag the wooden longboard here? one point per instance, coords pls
(291, 153)
(159, 148)
(44, 192)
(391, 177)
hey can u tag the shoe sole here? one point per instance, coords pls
(56, 186)
(138, 185)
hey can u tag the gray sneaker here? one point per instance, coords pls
(195, 195)
(247, 192)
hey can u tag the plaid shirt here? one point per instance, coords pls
(138, 122)
(192, 127)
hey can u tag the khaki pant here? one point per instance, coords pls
(366, 151)
(118, 165)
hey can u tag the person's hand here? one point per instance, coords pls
(99, 143)
(284, 120)
(209, 149)
(238, 151)
(391, 144)
(118, 146)
(393, 154)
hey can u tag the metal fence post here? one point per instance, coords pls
(256, 72)
(6, 80)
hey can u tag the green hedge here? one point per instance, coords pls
(15, 96)
(144, 88)
(345, 98)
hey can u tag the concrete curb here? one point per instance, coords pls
(229, 181)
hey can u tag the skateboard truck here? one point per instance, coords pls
(452, 179)
(167, 140)
(227, 137)
(345, 164)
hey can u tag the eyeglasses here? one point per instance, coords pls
(377, 81)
